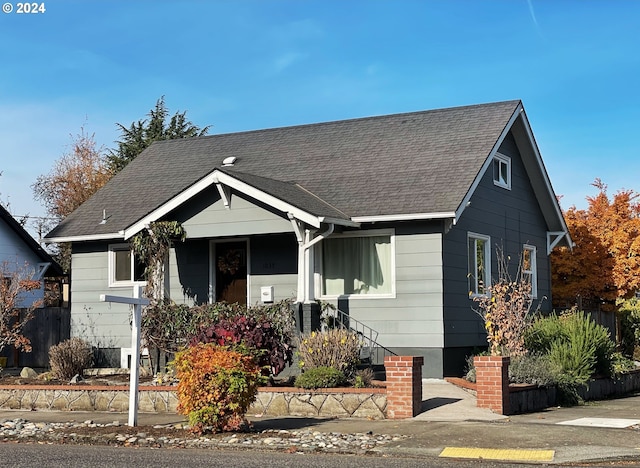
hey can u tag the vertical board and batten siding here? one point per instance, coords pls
(511, 218)
(103, 324)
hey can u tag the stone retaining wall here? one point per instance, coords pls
(346, 403)
(89, 398)
(358, 403)
(401, 398)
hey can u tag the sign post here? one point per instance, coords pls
(134, 376)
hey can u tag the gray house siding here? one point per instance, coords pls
(205, 216)
(411, 322)
(511, 218)
(189, 272)
(106, 326)
(273, 262)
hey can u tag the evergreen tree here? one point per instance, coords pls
(142, 133)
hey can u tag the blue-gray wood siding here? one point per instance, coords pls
(206, 217)
(511, 218)
(102, 324)
(413, 318)
(16, 255)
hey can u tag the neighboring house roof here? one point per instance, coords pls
(54, 269)
(419, 165)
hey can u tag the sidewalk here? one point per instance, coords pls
(451, 424)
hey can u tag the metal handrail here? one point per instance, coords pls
(368, 334)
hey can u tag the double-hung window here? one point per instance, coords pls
(124, 268)
(529, 270)
(502, 171)
(479, 271)
(358, 264)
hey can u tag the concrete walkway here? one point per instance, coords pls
(442, 401)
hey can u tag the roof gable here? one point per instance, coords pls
(30, 242)
(419, 164)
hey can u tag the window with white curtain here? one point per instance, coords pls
(358, 264)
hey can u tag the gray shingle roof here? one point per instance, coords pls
(420, 162)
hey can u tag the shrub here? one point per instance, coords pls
(259, 336)
(169, 327)
(620, 363)
(70, 357)
(534, 369)
(363, 378)
(216, 386)
(321, 377)
(575, 342)
(506, 310)
(629, 315)
(336, 347)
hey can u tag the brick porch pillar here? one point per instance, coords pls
(404, 386)
(492, 383)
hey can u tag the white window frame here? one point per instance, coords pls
(501, 159)
(473, 292)
(113, 248)
(367, 233)
(533, 272)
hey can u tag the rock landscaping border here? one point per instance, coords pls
(401, 398)
(338, 402)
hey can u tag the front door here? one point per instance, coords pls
(231, 272)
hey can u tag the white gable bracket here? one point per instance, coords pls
(553, 239)
(225, 194)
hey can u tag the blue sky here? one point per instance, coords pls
(240, 65)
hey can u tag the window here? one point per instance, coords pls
(502, 171)
(124, 269)
(479, 264)
(358, 265)
(529, 268)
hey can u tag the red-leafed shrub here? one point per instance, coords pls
(216, 386)
(272, 353)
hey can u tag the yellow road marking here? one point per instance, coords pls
(498, 454)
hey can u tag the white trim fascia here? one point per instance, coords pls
(488, 161)
(545, 176)
(339, 221)
(90, 237)
(270, 200)
(403, 217)
(218, 177)
(171, 204)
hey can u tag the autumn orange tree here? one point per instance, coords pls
(73, 179)
(604, 264)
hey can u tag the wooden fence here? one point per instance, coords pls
(50, 326)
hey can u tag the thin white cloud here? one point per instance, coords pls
(284, 61)
(532, 13)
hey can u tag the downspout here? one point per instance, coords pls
(304, 259)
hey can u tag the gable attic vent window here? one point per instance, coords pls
(502, 171)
